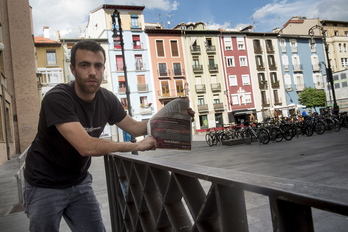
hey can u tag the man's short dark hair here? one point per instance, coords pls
(89, 45)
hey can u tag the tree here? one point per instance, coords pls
(312, 98)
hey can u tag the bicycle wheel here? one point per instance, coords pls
(309, 131)
(208, 140)
(319, 127)
(329, 125)
(287, 132)
(263, 136)
(246, 136)
(276, 134)
(337, 126)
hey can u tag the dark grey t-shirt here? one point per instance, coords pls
(51, 161)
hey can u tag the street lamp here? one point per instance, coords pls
(328, 66)
(118, 34)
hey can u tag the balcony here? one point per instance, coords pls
(172, 93)
(163, 73)
(288, 87)
(272, 67)
(260, 68)
(263, 84)
(316, 68)
(218, 106)
(195, 49)
(277, 101)
(197, 68)
(275, 84)
(286, 68)
(203, 108)
(139, 67)
(257, 50)
(265, 103)
(135, 26)
(179, 72)
(200, 88)
(143, 88)
(300, 87)
(215, 87)
(270, 49)
(213, 67)
(211, 49)
(298, 68)
(145, 109)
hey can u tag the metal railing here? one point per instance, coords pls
(19, 175)
(151, 194)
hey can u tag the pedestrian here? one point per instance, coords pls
(71, 119)
(304, 113)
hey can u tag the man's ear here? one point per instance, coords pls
(72, 68)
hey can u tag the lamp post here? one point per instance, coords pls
(119, 34)
(328, 65)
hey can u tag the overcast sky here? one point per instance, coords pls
(70, 16)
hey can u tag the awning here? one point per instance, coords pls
(242, 112)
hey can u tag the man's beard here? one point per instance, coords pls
(85, 87)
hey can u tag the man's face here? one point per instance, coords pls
(88, 72)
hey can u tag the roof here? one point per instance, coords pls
(44, 41)
(119, 7)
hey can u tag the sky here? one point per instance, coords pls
(70, 17)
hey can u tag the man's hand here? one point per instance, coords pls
(148, 143)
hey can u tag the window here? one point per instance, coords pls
(235, 99)
(196, 62)
(179, 84)
(336, 33)
(262, 78)
(142, 86)
(160, 48)
(243, 61)
(345, 47)
(136, 42)
(346, 33)
(246, 79)
(240, 43)
(259, 62)
(230, 61)
(139, 65)
(51, 57)
(201, 100)
(165, 88)
(121, 84)
(144, 102)
(216, 98)
(271, 62)
(293, 45)
(134, 21)
(269, 46)
(248, 98)
(211, 62)
(117, 43)
(276, 97)
(228, 43)
(119, 63)
(162, 69)
(283, 45)
(312, 45)
(340, 47)
(174, 48)
(257, 46)
(344, 62)
(233, 80)
(177, 69)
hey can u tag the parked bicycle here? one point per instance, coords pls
(250, 132)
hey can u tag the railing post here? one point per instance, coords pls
(111, 187)
(288, 216)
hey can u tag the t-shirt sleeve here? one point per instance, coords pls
(59, 108)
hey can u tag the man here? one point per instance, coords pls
(72, 117)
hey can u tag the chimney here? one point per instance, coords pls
(46, 32)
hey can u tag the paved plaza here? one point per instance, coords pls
(318, 159)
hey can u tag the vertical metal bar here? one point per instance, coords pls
(111, 187)
(232, 209)
(288, 216)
